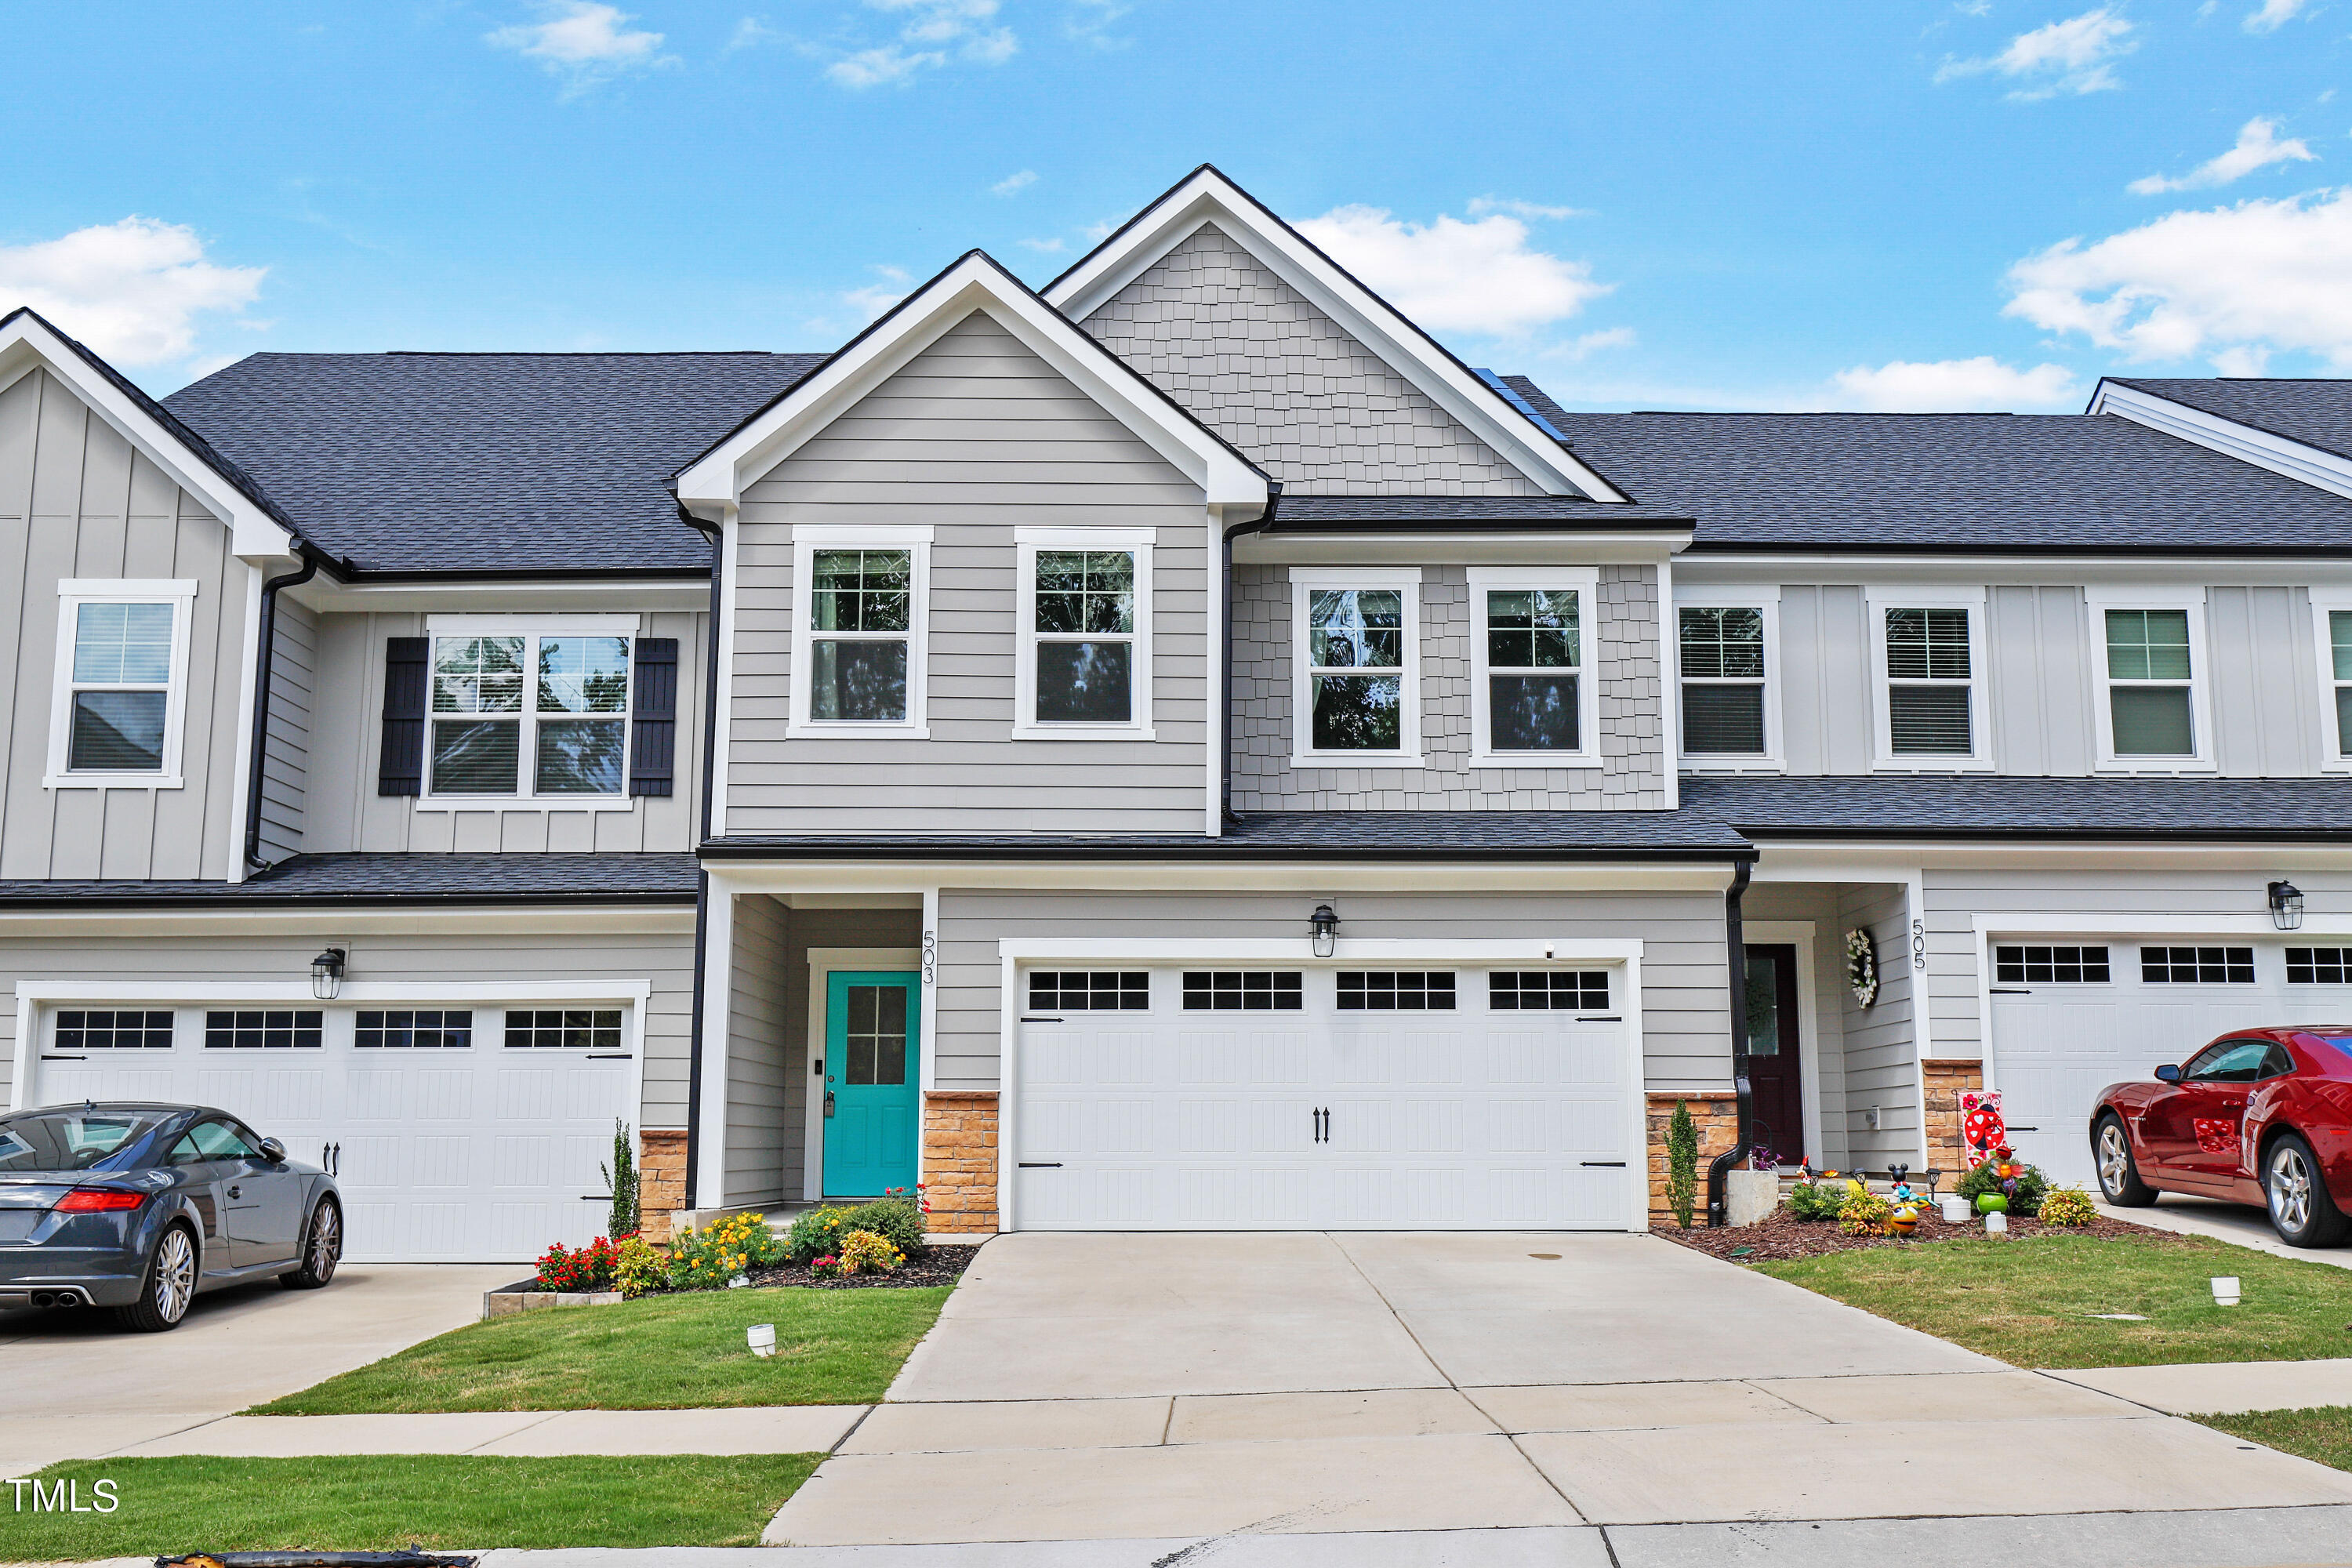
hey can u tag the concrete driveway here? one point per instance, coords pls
(1119, 1387)
(78, 1387)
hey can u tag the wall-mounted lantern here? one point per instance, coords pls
(327, 974)
(1326, 927)
(2287, 906)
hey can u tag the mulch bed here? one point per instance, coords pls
(941, 1265)
(1784, 1237)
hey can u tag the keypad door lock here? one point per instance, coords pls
(828, 1102)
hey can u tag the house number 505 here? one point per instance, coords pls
(1918, 944)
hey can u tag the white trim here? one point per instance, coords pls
(73, 592)
(718, 1030)
(722, 711)
(916, 542)
(823, 961)
(1216, 756)
(2099, 598)
(249, 645)
(1766, 601)
(1207, 196)
(1585, 583)
(1670, 694)
(1138, 545)
(1303, 581)
(2312, 465)
(717, 480)
(927, 961)
(1923, 1015)
(2332, 756)
(554, 623)
(533, 630)
(1878, 599)
(1800, 934)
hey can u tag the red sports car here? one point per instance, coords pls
(2259, 1116)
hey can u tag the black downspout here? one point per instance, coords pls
(1735, 952)
(264, 657)
(701, 876)
(1260, 524)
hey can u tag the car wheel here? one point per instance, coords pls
(2302, 1212)
(169, 1286)
(2118, 1172)
(322, 1248)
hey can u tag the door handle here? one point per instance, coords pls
(236, 1192)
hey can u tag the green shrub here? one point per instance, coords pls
(817, 1234)
(2025, 1190)
(863, 1252)
(1816, 1200)
(896, 1219)
(707, 1259)
(1681, 1163)
(638, 1267)
(2067, 1206)
(621, 1176)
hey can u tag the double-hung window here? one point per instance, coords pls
(860, 608)
(121, 700)
(1928, 646)
(1084, 666)
(1534, 698)
(529, 709)
(2151, 713)
(1725, 649)
(2332, 616)
(1355, 667)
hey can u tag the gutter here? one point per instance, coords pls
(702, 832)
(1262, 523)
(263, 660)
(1180, 851)
(1734, 946)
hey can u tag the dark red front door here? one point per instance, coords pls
(1773, 1074)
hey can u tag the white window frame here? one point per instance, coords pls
(73, 592)
(916, 539)
(1585, 583)
(1766, 601)
(531, 628)
(2332, 756)
(2101, 598)
(1137, 543)
(1304, 581)
(1878, 601)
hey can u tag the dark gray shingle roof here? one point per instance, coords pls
(381, 878)
(1950, 481)
(1937, 805)
(1467, 514)
(483, 462)
(2317, 413)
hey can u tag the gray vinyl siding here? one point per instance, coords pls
(286, 767)
(759, 1125)
(1815, 903)
(344, 812)
(1256, 361)
(1686, 1016)
(2268, 716)
(824, 928)
(78, 501)
(974, 437)
(1881, 1053)
(664, 960)
(1623, 635)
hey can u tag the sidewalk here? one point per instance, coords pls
(755, 1429)
(2240, 1223)
(2222, 1387)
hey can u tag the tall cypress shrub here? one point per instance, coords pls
(1681, 1163)
(622, 1177)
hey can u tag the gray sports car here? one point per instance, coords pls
(139, 1207)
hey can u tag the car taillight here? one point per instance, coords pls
(98, 1200)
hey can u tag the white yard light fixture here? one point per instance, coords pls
(327, 974)
(760, 1338)
(2225, 1290)
(1326, 927)
(2287, 906)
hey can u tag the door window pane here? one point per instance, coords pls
(2231, 1061)
(118, 732)
(1763, 1007)
(564, 1028)
(874, 1031)
(2196, 965)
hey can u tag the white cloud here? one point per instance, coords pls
(1013, 185)
(2261, 276)
(875, 298)
(876, 67)
(1452, 276)
(583, 42)
(132, 290)
(933, 32)
(2258, 147)
(1049, 247)
(2273, 15)
(1088, 22)
(1953, 386)
(1481, 206)
(749, 33)
(2070, 57)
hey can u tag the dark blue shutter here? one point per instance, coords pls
(400, 768)
(653, 733)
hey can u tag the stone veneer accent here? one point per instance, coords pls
(1944, 1077)
(959, 1159)
(1716, 1113)
(661, 1182)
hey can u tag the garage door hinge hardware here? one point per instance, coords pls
(1612, 1165)
(1041, 1164)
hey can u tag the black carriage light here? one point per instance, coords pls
(1326, 927)
(2287, 906)
(327, 974)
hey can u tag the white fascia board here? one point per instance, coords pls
(718, 479)
(2320, 470)
(254, 534)
(1208, 196)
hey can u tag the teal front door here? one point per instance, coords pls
(872, 1068)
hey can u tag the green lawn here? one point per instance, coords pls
(353, 1503)
(2029, 1302)
(667, 1353)
(2325, 1434)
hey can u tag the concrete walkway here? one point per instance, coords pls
(2244, 1224)
(2222, 1387)
(770, 1429)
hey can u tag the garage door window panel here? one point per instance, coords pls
(2038, 966)
(2196, 965)
(1097, 990)
(1244, 991)
(1400, 991)
(564, 1028)
(266, 1029)
(398, 1030)
(100, 1030)
(1548, 990)
(2319, 966)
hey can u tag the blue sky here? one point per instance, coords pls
(1719, 204)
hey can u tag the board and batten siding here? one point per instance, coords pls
(1621, 631)
(344, 812)
(1686, 1012)
(1881, 1053)
(972, 438)
(76, 499)
(286, 765)
(595, 959)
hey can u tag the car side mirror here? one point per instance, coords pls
(273, 1151)
(2167, 1073)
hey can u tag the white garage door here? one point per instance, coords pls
(458, 1134)
(1270, 1099)
(2070, 1016)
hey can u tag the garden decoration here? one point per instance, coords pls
(1996, 1223)
(1862, 965)
(1904, 1199)
(1981, 1127)
(1904, 1221)
(1762, 1158)
(1991, 1203)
